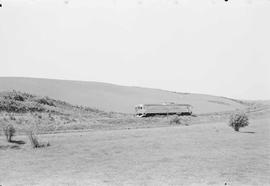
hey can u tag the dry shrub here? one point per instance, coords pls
(178, 120)
(238, 120)
(175, 120)
(45, 101)
(9, 132)
(34, 141)
(12, 117)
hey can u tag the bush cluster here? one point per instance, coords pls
(16, 101)
(18, 106)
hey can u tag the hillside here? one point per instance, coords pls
(27, 111)
(21, 102)
(109, 97)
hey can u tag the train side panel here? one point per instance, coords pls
(163, 109)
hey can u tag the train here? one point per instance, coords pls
(144, 110)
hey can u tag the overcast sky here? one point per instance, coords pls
(203, 46)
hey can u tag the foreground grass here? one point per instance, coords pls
(210, 154)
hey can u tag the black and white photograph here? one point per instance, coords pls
(134, 92)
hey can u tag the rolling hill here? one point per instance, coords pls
(116, 98)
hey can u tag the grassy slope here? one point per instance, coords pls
(210, 154)
(45, 115)
(109, 97)
(27, 111)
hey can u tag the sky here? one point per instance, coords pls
(199, 46)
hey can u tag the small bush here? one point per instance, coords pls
(180, 120)
(176, 120)
(238, 120)
(51, 118)
(34, 141)
(45, 101)
(18, 97)
(9, 132)
(12, 117)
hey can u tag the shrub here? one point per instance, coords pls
(176, 120)
(9, 132)
(12, 117)
(39, 116)
(238, 120)
(34, 141)
(18, 98)
(51, 118)
(45, 101)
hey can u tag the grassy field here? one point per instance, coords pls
(206, 154)
(93, 147)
